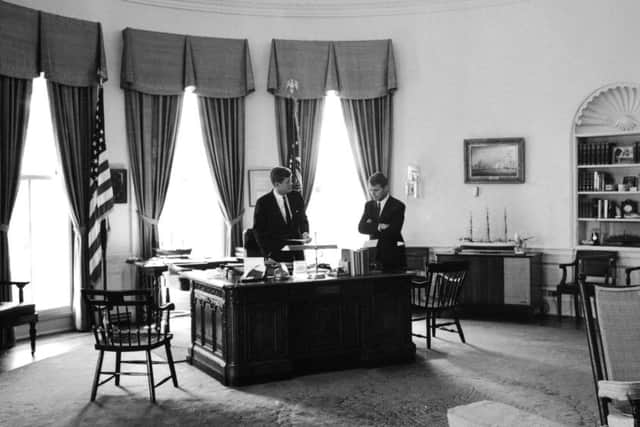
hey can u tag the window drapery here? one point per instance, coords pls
(14, 115)
(364, 75)
(70, 53)
(223, 131)
(73, 110)
(370, 128)
(157, 65)
(152, 127)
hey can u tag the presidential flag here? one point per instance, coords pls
(101, 192)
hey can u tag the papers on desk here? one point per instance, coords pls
(373, 243)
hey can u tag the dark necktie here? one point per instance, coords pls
(378, 210)
(287, 210)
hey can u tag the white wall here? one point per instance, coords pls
(514, 70)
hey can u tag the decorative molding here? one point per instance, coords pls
(615, 107)
(323, 8)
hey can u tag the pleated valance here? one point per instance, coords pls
(165, 64)
(69, 51)
(356, 69)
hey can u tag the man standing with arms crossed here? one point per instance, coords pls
(382, 219)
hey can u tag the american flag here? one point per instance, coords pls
(294, 161)
(101, 192)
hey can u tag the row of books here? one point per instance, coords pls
(603, 153)
(357, 262)
(593, 181)
(597, 208)
(597, 153)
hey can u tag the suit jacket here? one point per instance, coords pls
(271, 230)
(388, 253)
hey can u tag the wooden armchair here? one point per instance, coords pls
(438, 295)
(614, 339)
(15, 314)
(129, 321)
(594, 264)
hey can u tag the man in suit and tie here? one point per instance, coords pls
(382, 219)
(280, 216)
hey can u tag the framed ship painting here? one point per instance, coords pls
(494, 161)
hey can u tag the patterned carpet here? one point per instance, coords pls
(540, 369)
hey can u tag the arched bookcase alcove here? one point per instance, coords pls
(606, 159)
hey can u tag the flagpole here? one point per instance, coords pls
(103, 244)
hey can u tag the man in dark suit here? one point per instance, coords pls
(382, 219)
(279, 216)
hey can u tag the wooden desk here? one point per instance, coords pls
(256, 332)
(500, 282)
(151, 269)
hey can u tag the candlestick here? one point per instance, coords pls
(505, 225)
(471, 226)
(488, 227)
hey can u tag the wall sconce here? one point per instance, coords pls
(412, 188)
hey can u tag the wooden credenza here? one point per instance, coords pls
(246, 333)
(500, 283)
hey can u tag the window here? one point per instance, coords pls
(191, 217)
(40, 230)
(337, 199)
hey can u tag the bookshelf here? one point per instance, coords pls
(606, 153)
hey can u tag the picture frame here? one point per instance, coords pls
(259, 184)
(622, 153)
(494, 161)
(119, 185)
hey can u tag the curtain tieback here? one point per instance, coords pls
(148, 219)
(4, 228)
(235, 220)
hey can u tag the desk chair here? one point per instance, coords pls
(124, 322)
(439, 295)
(613, 338)
(417, 259)
(12, 314)
(250, 244)
(599, 265)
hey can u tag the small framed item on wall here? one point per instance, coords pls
(494, 161)
(119, 185)
(259, 184)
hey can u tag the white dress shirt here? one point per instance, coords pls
(382, 203)
(281, 205)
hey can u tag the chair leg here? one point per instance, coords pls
(459, 327)
(152, 390)
(172, 367)
(576, 308)
(428, 330)
(118, 362)
(433, 324)
(559, 304)
(32, 336)
(96, 377)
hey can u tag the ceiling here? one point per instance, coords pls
(323, 8)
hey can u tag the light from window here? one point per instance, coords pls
(40, 232)
(191, 217)
(337, 199)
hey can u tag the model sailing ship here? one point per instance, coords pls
(505, 244)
